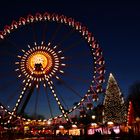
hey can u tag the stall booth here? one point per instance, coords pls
(73, 131)
(61, 130)
(94, 128)
(76, 130)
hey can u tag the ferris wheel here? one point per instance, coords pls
(48, 62)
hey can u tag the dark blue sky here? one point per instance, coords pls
(115, 25)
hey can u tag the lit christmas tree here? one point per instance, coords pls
(114, 107)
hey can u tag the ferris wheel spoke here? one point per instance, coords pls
(55, 32)
(48, 100)
(34, 33)
(53, 91)
(72, 76)
(7, 74)
(79, 55)
(13, 94)
(19, 99)
(78, 66)
(58, 93)
(6, 53)
(44, 32)
(65, 37)
(36, 103)
(28, 96)
(7, 85)
(3, 65)
(70, 88)
(13, 44)
(74, 44)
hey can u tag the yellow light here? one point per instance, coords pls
(61, 127)
(94, 124)
(49, 122)
(74, 126)
(38, 58)
(93, 117)
(41, 58)
(110, 123)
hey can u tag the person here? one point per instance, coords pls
(130, 134)
(113, 133)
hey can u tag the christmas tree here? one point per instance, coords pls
(114, 107)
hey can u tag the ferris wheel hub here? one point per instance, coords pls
(40, 62)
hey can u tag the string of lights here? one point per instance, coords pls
(114, 107)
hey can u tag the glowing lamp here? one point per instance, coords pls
(39, 62)
(110, 123)
(94, 125)
(74, 126)
(93, 117)
(49, 122)
(61, 127)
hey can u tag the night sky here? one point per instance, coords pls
(115, 25)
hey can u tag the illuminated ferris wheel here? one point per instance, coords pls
(48, 62)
